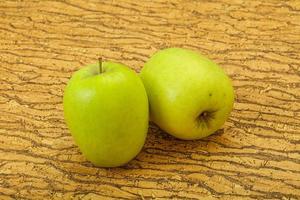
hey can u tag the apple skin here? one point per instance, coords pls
(107, 113)
(190, 96)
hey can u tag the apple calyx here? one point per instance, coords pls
(100, 65)
(204, 118)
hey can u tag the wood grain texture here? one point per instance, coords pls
(256, 155)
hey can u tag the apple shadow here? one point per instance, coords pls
(162, 148)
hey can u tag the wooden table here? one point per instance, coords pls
(256, 155)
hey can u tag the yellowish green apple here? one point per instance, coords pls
(190, 96)
(106, 110)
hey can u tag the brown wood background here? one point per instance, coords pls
(255, 156)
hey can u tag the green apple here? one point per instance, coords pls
(106, 110)
(190, 96)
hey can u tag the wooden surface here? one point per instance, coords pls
(255, 156)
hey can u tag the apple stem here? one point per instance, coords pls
(100, 65)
